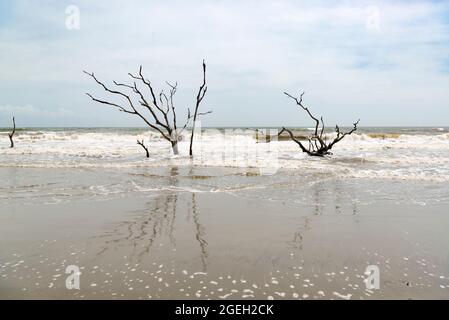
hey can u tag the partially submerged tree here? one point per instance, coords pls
(160, 110)
(318, 145)
(11, 135)
(142, 144)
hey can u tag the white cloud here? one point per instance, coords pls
(31, 111)
(254, 50)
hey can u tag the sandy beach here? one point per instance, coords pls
(189, 231)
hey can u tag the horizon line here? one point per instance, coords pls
(218, 127)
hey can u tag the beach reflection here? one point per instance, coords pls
(200, 233)
(156, 224)
(336, 196)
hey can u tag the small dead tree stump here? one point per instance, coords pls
(141, 143)
(11, 135)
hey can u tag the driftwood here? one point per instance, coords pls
(162, 113)
(317, 144)
(142, 144)
(11, 135)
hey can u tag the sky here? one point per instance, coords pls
(385, 62)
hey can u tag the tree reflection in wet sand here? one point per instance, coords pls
(158, 219)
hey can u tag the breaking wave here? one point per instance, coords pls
(410, 154)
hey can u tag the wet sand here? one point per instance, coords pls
(182, 240)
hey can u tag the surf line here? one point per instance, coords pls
(186, 310)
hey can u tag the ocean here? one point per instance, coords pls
(420, 154)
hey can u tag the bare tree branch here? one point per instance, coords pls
(340, 135)
(199, 97)
(204, 113)
(148, 84)
(173, 89)
(299, 103)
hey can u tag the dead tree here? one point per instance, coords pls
(11, 135)
(160, 109)
(141, 143)
(318, 145)
(201, 93)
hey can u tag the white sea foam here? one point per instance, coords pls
(421, 156)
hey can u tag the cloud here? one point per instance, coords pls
(31, 111)
(254, 49)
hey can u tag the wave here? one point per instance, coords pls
(196, 190)
(122, 136)
(390, 155)
(384, 135)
